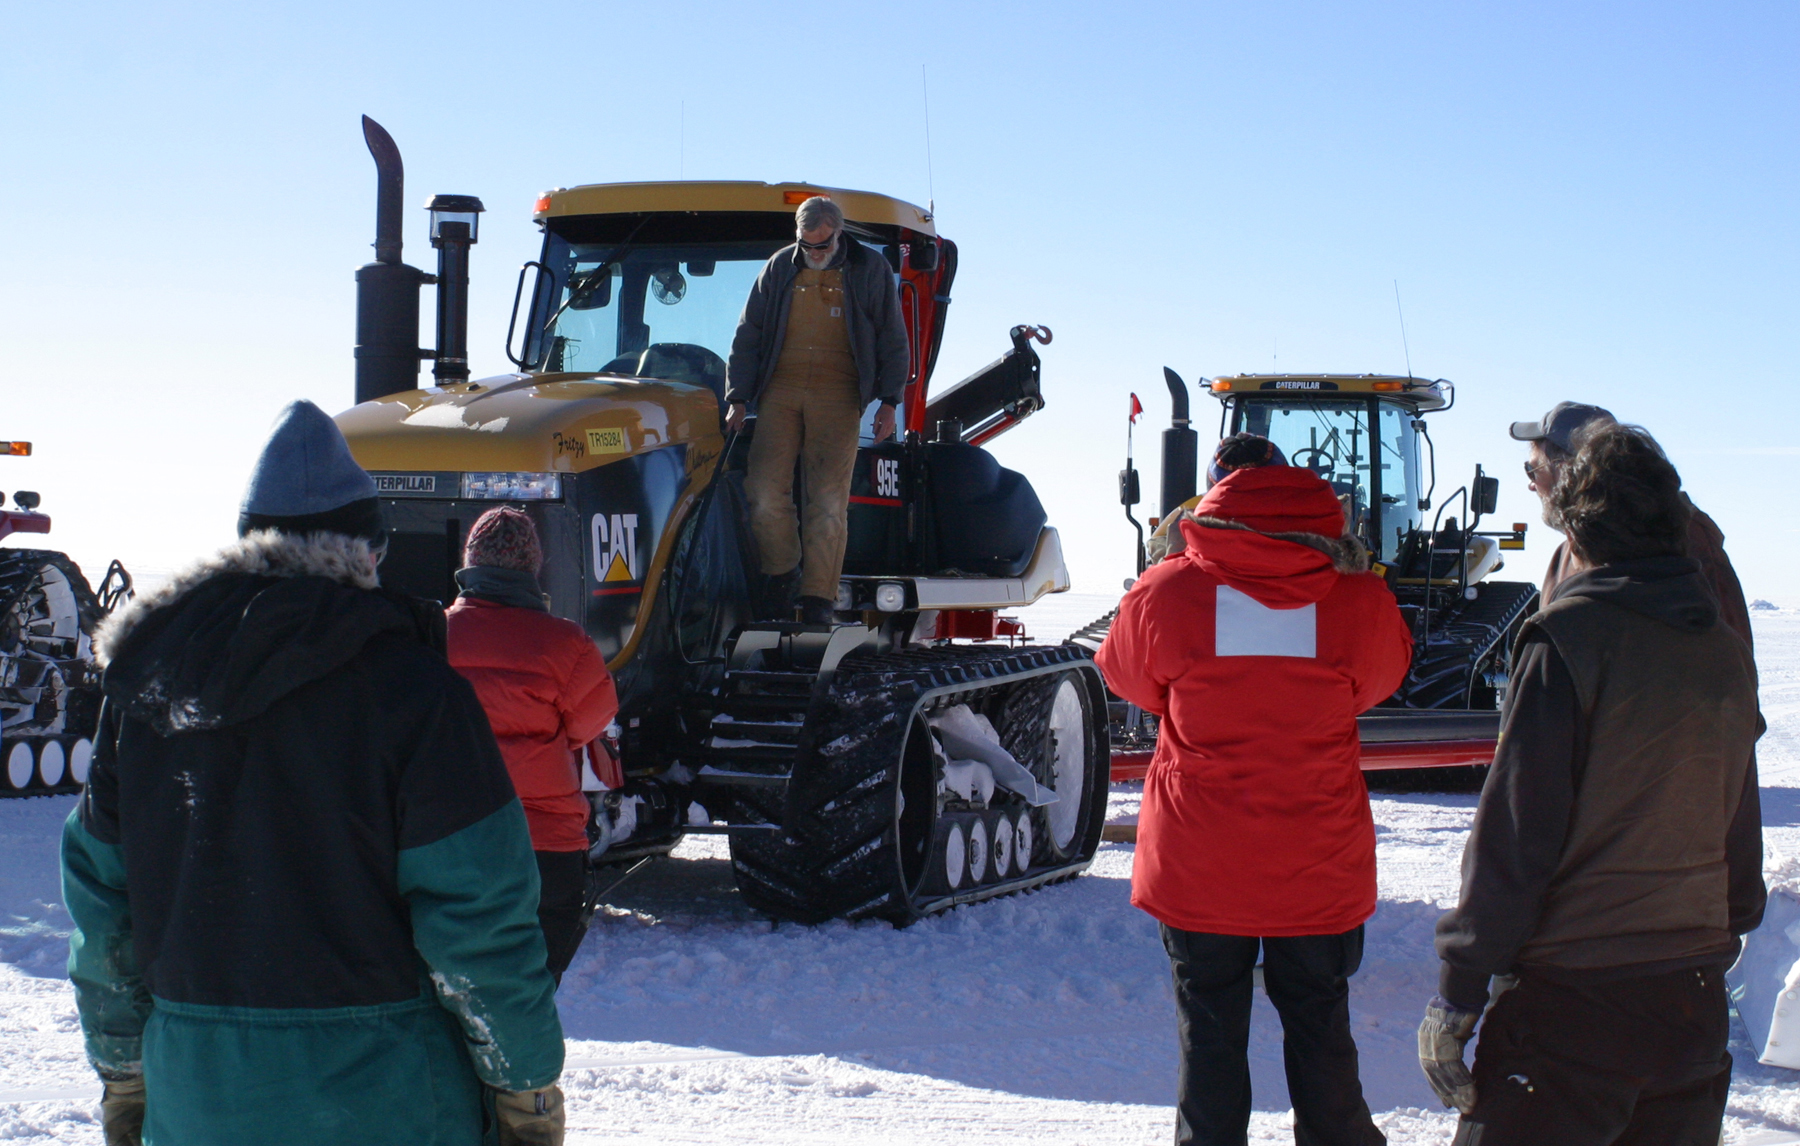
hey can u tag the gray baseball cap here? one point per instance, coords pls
(1559, 426)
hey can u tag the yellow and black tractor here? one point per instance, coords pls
(906, 758)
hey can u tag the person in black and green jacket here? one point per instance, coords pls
(304, 894)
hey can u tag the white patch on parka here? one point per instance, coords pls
(1245, 627)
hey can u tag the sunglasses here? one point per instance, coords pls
(806, 246)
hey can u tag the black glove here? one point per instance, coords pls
(530, 1117)
(1442, 1036)
(122, 1111)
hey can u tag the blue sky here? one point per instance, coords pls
(1592, 201)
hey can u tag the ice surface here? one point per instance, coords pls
(1043, 1017)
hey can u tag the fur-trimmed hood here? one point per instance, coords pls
(231, 634)
(263, 553)
(1347, 553)
(1281, 570)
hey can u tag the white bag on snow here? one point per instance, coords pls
(966, 736)
(1765, 982)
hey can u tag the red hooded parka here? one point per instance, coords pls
(1258, 652)
(547, 693)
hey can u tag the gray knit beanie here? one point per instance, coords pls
(307, 482)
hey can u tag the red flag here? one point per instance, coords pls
(1137, 409)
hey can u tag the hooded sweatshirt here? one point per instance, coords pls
(1257, 647)
(303, 890)
(1620, 831)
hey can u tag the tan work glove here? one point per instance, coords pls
(1442, 1036)
(122, 1112)
(530, 1117)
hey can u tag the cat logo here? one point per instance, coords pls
(616, 563)
(887, 477)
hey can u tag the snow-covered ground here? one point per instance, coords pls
(1044, 1017)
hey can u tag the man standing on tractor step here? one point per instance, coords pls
(1257, 645)
(1616, 856)
(820, 338)
(1552, 446)
(303, 889)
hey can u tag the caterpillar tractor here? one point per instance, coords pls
(906, 758)
(49, 684)
(1366, 434)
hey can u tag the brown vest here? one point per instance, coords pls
(815, 350)
(1671, 722)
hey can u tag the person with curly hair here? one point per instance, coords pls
(1616, 857)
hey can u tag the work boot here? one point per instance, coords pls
(775, 595)
(816, 611)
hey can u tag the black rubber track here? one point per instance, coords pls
(838, 855)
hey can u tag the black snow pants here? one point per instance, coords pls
(1308, 979)
(562, 877)
(1633, 1062)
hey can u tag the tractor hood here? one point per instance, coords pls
(541, 423)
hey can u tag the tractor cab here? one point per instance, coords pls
(611, 430)
(649, 279)
(1361, 433)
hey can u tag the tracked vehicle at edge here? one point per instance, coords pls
(49, 684)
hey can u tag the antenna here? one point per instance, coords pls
(1402, 314)
(930, 184)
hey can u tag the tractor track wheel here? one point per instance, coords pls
(1046, 727)
(855, 841)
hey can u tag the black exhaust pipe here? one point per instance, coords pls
(1180, 449)
(387, 290)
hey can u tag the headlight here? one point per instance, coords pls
(845, 599)
(512, 487)
(890, 597)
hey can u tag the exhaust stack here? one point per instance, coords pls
(454, 223)
(387, 290)
(1180, 449)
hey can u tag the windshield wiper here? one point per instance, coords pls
(592, 277)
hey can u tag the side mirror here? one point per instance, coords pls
(26, 500)
(1487, 495)
(922, 253)
(1128, 487)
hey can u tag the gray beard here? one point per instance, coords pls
(818, 260)
(1549, 516)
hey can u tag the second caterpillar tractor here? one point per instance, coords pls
(1366, 435)
(894, 763)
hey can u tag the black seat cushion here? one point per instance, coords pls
(987, 518)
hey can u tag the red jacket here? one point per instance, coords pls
(1258, 652)
(547, 693)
